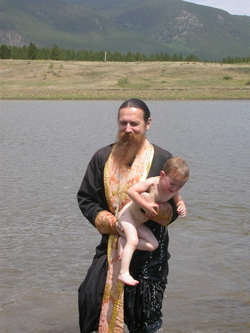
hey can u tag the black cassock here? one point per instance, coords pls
(143, 302)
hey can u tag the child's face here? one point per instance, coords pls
(170, 183)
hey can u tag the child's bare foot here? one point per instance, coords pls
(127, 279)
(121, 244)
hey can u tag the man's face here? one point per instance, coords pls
(131, 121)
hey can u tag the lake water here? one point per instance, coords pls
(47, 245)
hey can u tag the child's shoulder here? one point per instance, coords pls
(153, 180)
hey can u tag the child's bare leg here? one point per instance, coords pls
(126, 257)
(130, 232)
(147, 240)
(124, 275)
(121, 245)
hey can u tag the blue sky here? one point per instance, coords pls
(235, 7)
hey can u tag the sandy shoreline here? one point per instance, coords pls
(46, 79)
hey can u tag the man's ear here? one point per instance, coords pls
(148, 123)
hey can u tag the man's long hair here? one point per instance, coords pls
(138, 104)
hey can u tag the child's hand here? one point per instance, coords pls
(181, 210)
(152, 210)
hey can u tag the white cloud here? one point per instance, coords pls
(239, 7)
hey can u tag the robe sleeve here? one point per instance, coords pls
(91, 195)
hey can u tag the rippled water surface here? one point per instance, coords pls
(47, 245)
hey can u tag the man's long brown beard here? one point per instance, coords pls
(127, 147)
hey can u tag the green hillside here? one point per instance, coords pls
(144, 26)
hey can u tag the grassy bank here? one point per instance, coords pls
(41, 79)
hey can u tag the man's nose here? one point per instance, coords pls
(128, 128)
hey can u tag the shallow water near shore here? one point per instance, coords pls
(47, 245)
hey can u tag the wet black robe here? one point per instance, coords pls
(142, 303)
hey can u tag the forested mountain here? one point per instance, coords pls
(144, 26)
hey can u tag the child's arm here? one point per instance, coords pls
(134, 192)
(180, 205)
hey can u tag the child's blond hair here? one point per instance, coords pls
(177, 167)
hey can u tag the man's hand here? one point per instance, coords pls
(119, 228)
(165, 214)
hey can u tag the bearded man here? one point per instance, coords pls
(104, 302)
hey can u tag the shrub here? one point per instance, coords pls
(123, 81)
(227, 77)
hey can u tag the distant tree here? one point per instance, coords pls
(90, 55)
(101, 56)
(175, 57)
(130, 56)
(151, 57)
(55, 53)
(156, 57)
(117, 56)
(192, 57)
(15, 52)
(5, 52)
(84, 55)
(44, 53)
(166, 57)
(24, 52)
(140, 57)
(32, 51)
(73, 54)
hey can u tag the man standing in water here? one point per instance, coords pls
(103, 193)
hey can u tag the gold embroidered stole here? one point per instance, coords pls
(117, 181)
